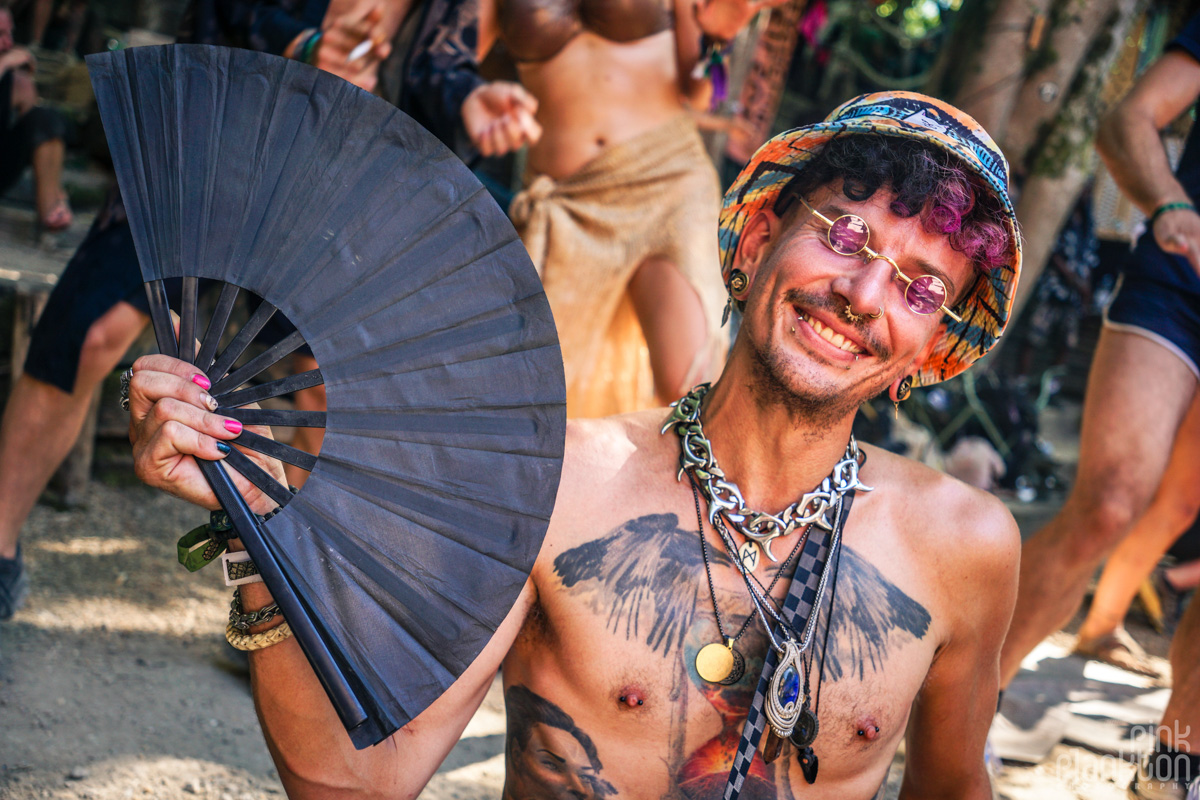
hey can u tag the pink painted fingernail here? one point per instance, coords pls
(233, 426)
(202, 382)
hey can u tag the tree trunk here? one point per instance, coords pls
(1065, 160)
(763, 87)
(989, 90)
(1074, 25)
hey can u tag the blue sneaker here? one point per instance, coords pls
(14, 585)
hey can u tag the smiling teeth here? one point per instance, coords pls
(835, 339)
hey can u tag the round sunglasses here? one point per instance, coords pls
(848, 236)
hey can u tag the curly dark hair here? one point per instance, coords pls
(927, 181)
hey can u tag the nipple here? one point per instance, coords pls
(867, 729)
(631, 697)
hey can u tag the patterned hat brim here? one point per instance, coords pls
(985, 313)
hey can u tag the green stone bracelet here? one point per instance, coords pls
(1165, 207)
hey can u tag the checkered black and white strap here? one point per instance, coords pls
(798, 604)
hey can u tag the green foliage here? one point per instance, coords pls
(917, 19)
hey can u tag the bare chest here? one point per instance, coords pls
(614, 646)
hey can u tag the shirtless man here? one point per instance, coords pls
(603, 694)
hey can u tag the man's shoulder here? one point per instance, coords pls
(968, 542)
(607, 458)
(613, 469)
(603, 446)
(944, 512)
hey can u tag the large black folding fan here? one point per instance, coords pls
(427, 504)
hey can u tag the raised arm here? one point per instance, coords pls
(1130, 144)
(954, 709)
(314, 755)
(171, 421)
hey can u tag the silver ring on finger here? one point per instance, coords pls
(126, 376)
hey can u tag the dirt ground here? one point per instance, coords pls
(114, 681)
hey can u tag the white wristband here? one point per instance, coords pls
(238, 569)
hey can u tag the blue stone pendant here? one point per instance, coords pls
(783, 691)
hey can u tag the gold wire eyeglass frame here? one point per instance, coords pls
(876, 255)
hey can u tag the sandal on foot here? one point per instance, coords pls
(59, 218)
(1120, 650)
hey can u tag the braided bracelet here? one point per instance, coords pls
(256, 641)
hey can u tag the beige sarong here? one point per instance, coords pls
(656, 195)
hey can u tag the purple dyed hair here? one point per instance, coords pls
(926, 180)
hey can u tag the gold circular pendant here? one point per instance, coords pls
(714, 662)
(748, 555)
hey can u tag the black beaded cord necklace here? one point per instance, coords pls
(809, 726)
(721, 662)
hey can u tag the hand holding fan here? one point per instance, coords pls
(427, 504)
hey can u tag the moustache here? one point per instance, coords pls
(816, 302)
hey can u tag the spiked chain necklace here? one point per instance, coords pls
(725, 498)
(786, 709)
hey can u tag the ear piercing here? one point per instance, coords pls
(738, 281)
(903, 390)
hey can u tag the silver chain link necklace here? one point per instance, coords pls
(725, 498)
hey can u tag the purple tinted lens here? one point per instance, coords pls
(848, 234)
(925, 294)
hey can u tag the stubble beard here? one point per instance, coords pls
(777, 381)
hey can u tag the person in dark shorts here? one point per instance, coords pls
(98, 308)
(1143, 381)
(30, 134)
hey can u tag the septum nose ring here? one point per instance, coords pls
(850, 315)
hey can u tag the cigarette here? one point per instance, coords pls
(361, 50)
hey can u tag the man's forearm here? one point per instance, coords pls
(974, 786)
(308, 743)
(1134, 154)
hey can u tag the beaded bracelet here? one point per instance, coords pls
(256, 641)
(1165, 207)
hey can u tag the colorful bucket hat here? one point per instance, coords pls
(914, 116)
